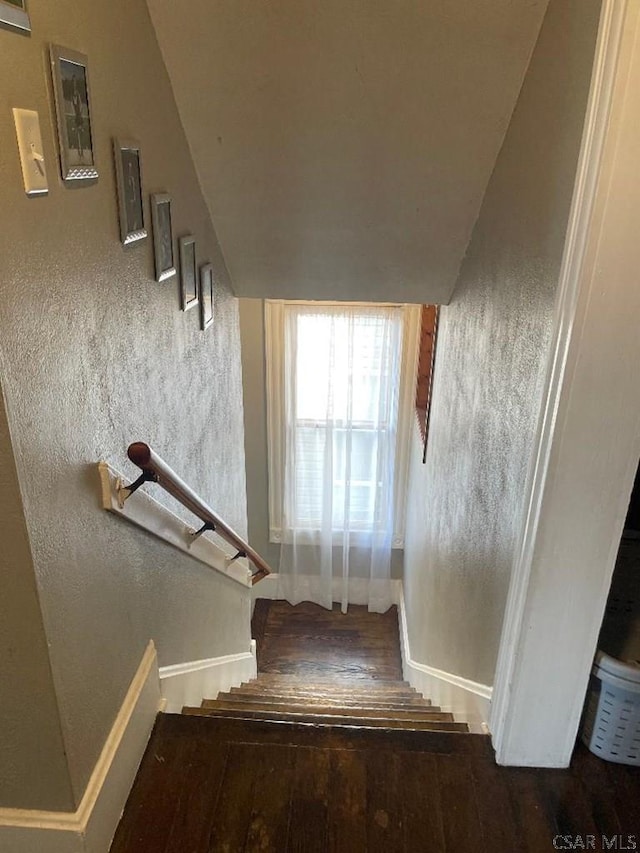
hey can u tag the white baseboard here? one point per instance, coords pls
(358, 589)
(90, 829)
(468, 701)
(191, 682)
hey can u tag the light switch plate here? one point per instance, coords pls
(31, 154)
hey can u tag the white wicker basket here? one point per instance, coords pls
(611, 726)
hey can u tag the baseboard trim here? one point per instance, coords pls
(468, 701)
(91, 827)
(188, 683)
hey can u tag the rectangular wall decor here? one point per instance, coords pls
(14, 15)
(70, 74)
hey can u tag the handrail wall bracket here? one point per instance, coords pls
(229, 559)
(195, 534)
(125, 492)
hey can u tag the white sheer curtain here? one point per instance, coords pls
(341, 381)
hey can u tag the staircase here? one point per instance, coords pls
(329, 702)
(326, 750)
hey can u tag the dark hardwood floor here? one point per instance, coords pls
(228, 785)
(213, 784)
(311, 642)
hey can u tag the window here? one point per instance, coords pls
(340, 381)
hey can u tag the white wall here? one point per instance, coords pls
(93, 355)
(466, 504)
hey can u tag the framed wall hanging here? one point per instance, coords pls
(162, 236)
(188, 277)
(129, 180)
(70, 74)
(14, 15)
(206, 296)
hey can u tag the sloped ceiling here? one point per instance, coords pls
(344, 146)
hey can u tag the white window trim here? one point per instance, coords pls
(274, 360)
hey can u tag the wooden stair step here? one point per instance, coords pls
(287, 708)
(331, 737)
(306, 687)
(337, 672)
(314, 700)
(329, 701)
(332, 681)
(377, 686)
(325, 720)
(329, 698)
(268, 678)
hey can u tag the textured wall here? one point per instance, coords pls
(465, 504)
(33, 770)
(95, 354)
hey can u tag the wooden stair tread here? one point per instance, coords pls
(344, 669)
(425, 713)
(328, 698)
(326, 720)
(362, 687)
(314, 700)
(329, 687)
(346, 737)
(336, 681)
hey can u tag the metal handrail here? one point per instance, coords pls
(155, 469)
